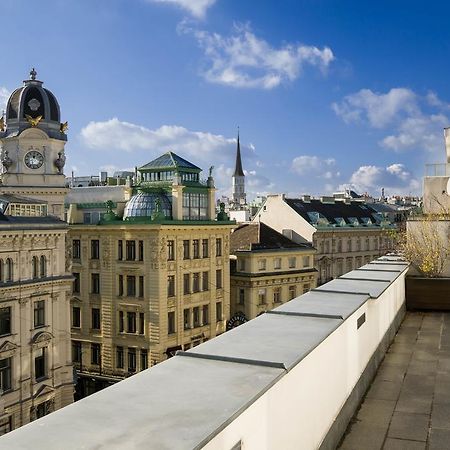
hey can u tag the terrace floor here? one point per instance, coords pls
(408, 404)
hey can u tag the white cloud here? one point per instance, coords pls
(246, 61)
(378, 109)
(196, 8)
(395, 178)
(414, 121)
(313, 165)
(128, 137)
(4, 95)
(418, 132)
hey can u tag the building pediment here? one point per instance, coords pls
(44, 389)
(42, 337)
(6, 347)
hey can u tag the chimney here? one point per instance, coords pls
(447, 143)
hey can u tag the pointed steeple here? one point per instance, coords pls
(238, 172)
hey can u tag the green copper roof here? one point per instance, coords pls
(169, 160)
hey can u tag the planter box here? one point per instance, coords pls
(427, 294)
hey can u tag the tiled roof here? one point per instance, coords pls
(259, 236)
(333, 211)
(169, 160)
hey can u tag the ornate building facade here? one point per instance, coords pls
(151, 277)
(36, 373)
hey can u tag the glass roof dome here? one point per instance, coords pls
(147, 204)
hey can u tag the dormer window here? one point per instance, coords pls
(353, 221)
(340, 222)
(367, 221)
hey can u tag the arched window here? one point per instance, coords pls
(43, 267)
(34, 266)
(1, 270)
(9, 275)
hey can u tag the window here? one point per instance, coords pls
(144, 359)
(349, 264)
(5, 374)
(186, 248)
(358, 244)
(241, 296)
(218, 311)
(141, 286)
(205, 314)
(34, 267)
(39, 364)
(277, 295)
(339, 246)
(120, 250)
(95, 249)
(349, 245)
(131, 322)
(95, 283)
(121, 322)
(76, 352)
(5, 321)
(205, 281)
(120, 292)
(5, 425)
(292, 262)
(375, 243)
(171, 322)
(241, 265)
(186, 283)
(43, 409)
(219, 247)
(9, 275)
(119, 357)
(132, 360)
(292, 292)
(76, 317)
(306, 261)
(171, 286)
(86, 218)
(327, 246)
(219, 279)
(39, 313)
(131, 286)
(170, 250)
(95, 354)
(96, 318)
(141, 323)
(130, 247)
(367, 243)
(261, 264)
(196, 282)
(141, 250)
(205, 252)
(196, 248)
(277, 263)
(76, 249)
(261, 296)
(187, 319)
(306, 288)
(76, 283)
(196, 314)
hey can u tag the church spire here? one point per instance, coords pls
(238, 166)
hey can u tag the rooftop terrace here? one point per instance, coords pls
(291, 378)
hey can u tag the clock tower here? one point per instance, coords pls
(32, 140)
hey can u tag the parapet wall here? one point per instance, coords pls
(289, 379)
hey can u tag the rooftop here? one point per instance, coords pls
(170, 160)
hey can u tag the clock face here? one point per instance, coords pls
(34, 159)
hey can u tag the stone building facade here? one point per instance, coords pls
(150, 280)
(36, 373)
(267, 270)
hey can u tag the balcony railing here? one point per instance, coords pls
(291, 378)
(437, 170)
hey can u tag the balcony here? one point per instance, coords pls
(292, 378)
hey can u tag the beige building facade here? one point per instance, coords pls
(346, 234)
(36, 372)
(267, 270)
(146, 284)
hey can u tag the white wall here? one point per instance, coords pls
(298, 411)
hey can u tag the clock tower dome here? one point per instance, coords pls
(32, 140)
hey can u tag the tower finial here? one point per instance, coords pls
(33, 74)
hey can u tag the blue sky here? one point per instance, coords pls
(326, 93)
